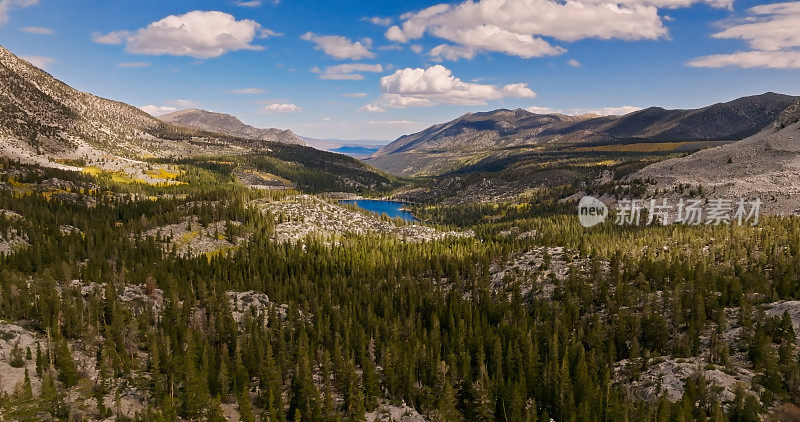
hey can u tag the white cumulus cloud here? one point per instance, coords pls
(182, 103)
(247, 91)
(6, 5)
(198, 34)
(606, 111)
(377, 20)
(437, 85)
(39, 30)
(451, 52)
(349, 71)
(518, 27)
(772, 27)
(281, 108)
(542, 110)
(750, 59)
(341, 47)
(391, 122)
(772, 31)
(112, 38)
(156, 111)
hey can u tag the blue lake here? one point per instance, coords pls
(393, 209)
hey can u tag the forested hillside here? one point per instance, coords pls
(166, 302)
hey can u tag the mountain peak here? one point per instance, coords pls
(446, 146)
(44, 117)
(229, 125)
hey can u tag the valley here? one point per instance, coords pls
(193, 267)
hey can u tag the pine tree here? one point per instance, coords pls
(41, 362)
(303, 395)
(246, 408)
(481, 406)
(16, 358)
(214, 411)
(99, 397)
(51, 400)
(67, 371)
(223, 380)
(194, 391)
(355, 403)
(371, 384)
(445, 395)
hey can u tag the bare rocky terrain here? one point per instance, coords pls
(12, 373)
(538, 270)
(301, 216)
(765, 165)
(255, 305)
(391, 413)
(12, 240)
(666, 376)
(190, 238)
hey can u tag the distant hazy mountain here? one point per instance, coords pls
(331, 144)
(229, 125)
(355, 151)
(446, 146)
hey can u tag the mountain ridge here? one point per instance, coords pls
(764, 165)
(43, 119)
(229, 125)
(445, 146)
(45, 122)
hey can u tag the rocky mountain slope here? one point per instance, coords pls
(229, 125)
(765, 165)
(44, 119)
(474, 136)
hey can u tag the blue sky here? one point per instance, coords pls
(329, 70)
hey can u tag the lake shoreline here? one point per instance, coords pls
(394, 209)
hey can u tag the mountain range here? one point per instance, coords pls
(229, 125)
(474, 137)
(46, 122)
(352, 147)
